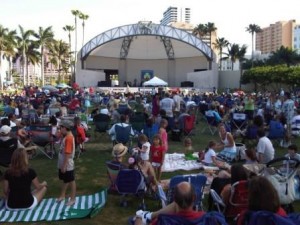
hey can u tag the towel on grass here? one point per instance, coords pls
(50, 210)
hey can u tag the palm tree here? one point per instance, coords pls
(59, 54)
(23, 43)
(235, 52)
(10, 50)
(210, 28)
(83, 17)
(69, 29)
(284, 55)
(76, 14)
(45, 38)
(253, 29)
(3, 47)
(220, 44)
(200, 30)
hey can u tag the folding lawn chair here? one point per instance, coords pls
(238, 121)
(296, 128)
(53, 110)
(238, 200)
(102, 123)
(123, 135)
(189, 125)
(211, 123)
(42, 137)
(131, 181)
(211, 218)
(197, 180)
(137, 122)
(113, 170)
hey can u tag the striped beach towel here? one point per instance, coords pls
(50, 210)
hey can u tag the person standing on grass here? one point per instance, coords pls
(164, 134)
(66, 163)
(157, 151)
(18, 179)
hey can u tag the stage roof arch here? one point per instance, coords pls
(146, 40)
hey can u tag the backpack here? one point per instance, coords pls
(209, 218)
(266, 218)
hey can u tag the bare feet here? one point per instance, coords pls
(70, 202)
(60, 199)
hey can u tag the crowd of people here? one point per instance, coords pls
(161, 113)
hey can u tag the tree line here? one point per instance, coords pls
(31, 47)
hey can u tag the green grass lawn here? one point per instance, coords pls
(91, 176)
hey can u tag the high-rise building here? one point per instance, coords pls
(297, 38)
(175, 14)
(276, 35)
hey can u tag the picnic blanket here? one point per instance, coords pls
(178, 161)
(50, 210)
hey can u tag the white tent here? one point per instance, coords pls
(155, 81)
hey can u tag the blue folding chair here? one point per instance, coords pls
(197, 180)
(131, 181)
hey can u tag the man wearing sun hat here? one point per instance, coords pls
(6, 139)
(118, 152)
(7, 145)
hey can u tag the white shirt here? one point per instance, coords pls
(265, 147)
(146, 148)
(208, 156)
(167, 104)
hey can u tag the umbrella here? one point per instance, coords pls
(62, 86)
(50, 88)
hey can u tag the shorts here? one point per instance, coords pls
(66, 177)
(33, 205)
(156, 164)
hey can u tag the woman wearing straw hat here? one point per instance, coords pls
(118, 152)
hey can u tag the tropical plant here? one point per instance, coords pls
(272, 76)
(284, 55)
(44, 40)
(235, 52)
(83, 17)
(210, 28)
(200, 30)
(76, 14)
(10, 51)
(69, 29)
(253, 29)
(7, 45)
(60, 56)
(23, 42)
(220, 44)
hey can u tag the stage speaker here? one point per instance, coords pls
(187, 84)
(103, 83)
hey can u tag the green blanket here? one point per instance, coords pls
(50, 210)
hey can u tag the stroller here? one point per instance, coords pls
(283, 173)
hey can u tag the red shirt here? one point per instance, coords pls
(157, 153)
(189, 215)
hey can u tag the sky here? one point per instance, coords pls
(231, 17)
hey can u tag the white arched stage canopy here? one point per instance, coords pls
(166, 51)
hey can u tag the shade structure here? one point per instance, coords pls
(155, 82)
(62, 86)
